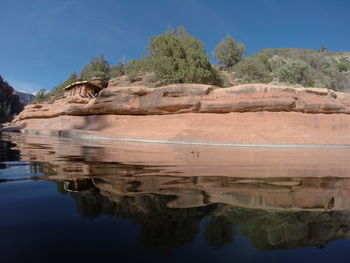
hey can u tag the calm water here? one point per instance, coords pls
(64, 200)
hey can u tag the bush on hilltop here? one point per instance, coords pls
(228, 52)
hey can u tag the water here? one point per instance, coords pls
(65, 200)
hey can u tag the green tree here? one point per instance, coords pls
(98, 67)
(228, 52)
(41, 96)
(117, 70)
(59, 89)
(342, 67)
(178, 57)
(136, 68)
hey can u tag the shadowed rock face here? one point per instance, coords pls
(9, 102)
(169, 192)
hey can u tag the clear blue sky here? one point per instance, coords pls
(43, 41)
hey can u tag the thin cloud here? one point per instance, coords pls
(23, 86)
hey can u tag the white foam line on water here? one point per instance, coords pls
(79, 135)
(238, 145)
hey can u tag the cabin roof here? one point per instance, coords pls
(83, 82)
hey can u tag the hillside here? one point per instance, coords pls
(177, 57)
(310, 68)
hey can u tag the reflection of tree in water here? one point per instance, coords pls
(219, 232)
(173, 228)
(164, 227)
(161, 227)
(36, 167)
(116, 191)
(290, 229)
(7, 154)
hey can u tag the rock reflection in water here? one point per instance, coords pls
(170, 203)
(165, 225)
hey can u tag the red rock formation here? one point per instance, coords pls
(254, 113)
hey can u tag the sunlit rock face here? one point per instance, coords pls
(197, 98)
(248, 114)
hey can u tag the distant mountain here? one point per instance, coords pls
(10, 104)
(25, 98)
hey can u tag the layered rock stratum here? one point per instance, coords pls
(242, 114)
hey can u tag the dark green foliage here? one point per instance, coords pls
(98, 67)
(59, 89)
(296, 72)
(219, 232)
(253, 70)
(301, 66)
(228, 52)
(178, 57)
(342, 67)
(42, 96)
(118, 70)
(136, 68)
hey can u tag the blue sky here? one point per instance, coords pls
(43, 41)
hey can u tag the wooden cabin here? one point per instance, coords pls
(83, 89)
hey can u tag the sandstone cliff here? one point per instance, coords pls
(251, 113)
(196, 98)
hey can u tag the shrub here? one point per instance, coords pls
(98, 67)
(118, 70)
(296, 72)
(59, 89)
(136, 68)
(342, 67)
(253, 70)
(336, 80)
(42, 96)
(228, 52)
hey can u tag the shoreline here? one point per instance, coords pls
(251, 115)
(90, 136)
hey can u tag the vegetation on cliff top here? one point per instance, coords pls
(228, 52)
(310, 68)
(178, 57)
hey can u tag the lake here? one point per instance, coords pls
(72, 200)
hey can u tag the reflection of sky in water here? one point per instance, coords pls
(84, 209)
(15, 170)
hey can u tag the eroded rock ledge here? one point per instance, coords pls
(196, 98)
(254, 114)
